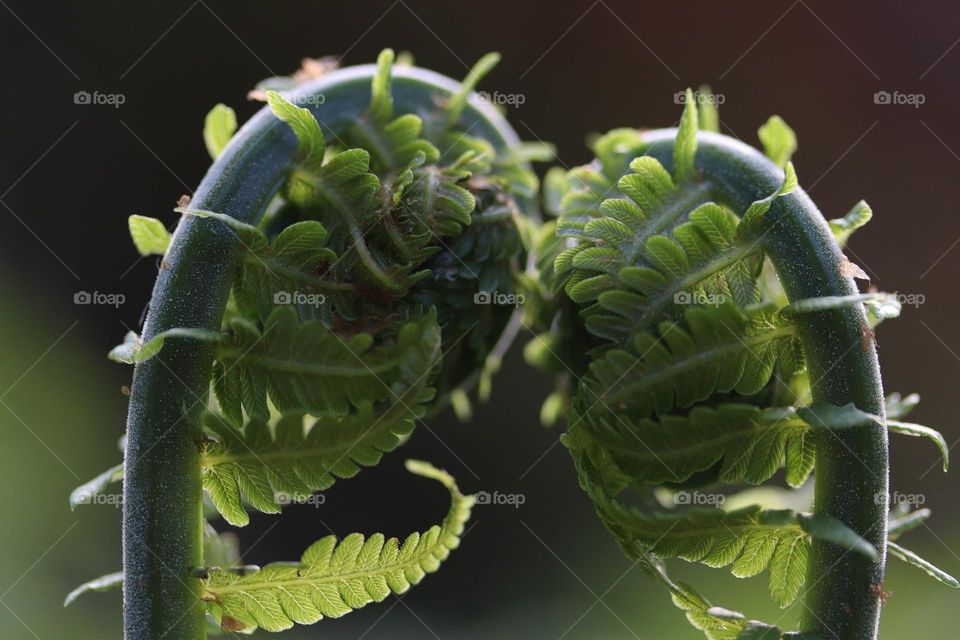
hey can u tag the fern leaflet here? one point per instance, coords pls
(334, 578)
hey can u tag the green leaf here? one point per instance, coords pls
(381, 99)
(898, 407)
(311, 146)
(788, 567)
(306, 367)
(685, 148)
(292, 269)
(823, 415)
(709, 119)
(899, 524)
(218, 127)
(750, 223)
(269, 468)
(825, 527)
(458, 101)
(149, 235)
(826, 303)
(155, 344)
(220, 549)
(779, 140)
(88, 491)
(714, 349)
(126, 352)
(103, 583)
(843, 228)
(749, 444)
(334, 578)
(912, 558)
(920, 431)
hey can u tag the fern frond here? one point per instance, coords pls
(778, 139)
(637, 255)
(219, 125)
(334, 578)
(306, 367)
(87, 492)
(714, 349)
(912, 558)
(749, 443)
(269, 467)
(844, 227)
(106, 582)
(392, 143)
(149, 235)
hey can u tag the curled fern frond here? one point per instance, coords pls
(270, 466)
(710, 321)
(336, 276)
(714, 350)
(335, 577)
(749, 444)
(307, 367)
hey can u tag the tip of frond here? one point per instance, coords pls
(459, 100)
(686, 144)
(381, 99)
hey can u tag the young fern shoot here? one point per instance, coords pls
(711, 324)
(314, 303)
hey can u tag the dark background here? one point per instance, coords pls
(71, 174)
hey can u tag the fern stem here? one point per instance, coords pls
(162, 522)
(842, 589)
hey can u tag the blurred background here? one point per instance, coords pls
(71, 174)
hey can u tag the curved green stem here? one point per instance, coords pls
(162, 522)
(841, 592)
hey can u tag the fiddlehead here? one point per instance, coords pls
(716, 335)
(320, 287)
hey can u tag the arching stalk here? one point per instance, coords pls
(162, 522)
(842, 588)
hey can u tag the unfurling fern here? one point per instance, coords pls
(707, 330)
(334, 578)
(322, 286)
